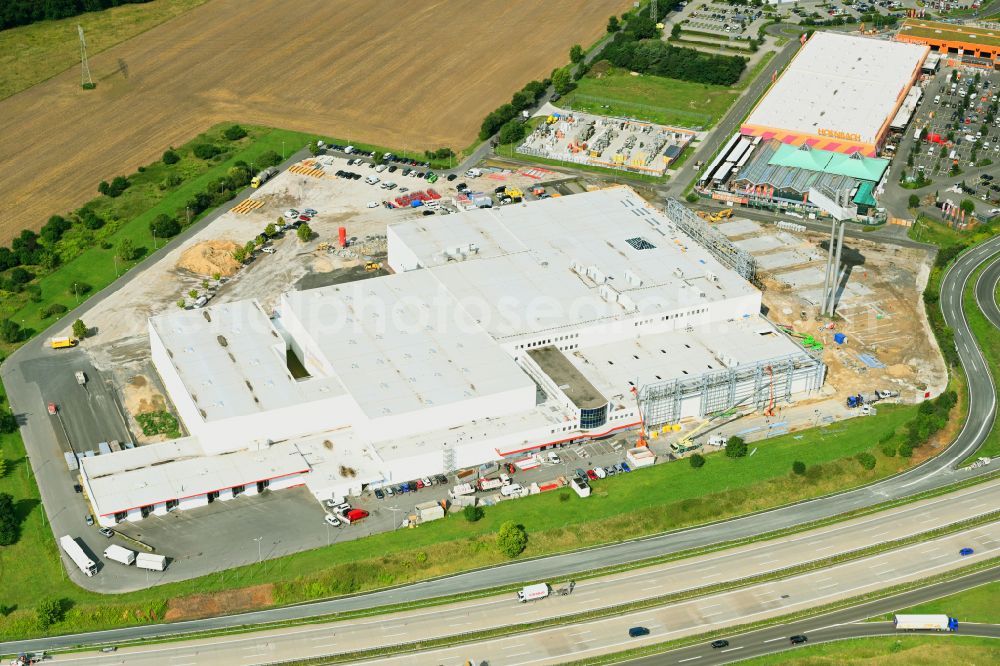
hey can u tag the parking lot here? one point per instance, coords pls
(962, 129)
(725, 21)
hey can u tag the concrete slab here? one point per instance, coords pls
(802, 277)
(738, 227)
(760, 244)
(781, 259)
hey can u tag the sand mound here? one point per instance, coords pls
(210, 257)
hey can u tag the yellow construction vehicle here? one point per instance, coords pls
(686, 443)
(373, 266)
(323, 246)
(723, 214)
(703, 214)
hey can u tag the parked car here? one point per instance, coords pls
(107, 531)
(592, 475)
(599, 471)
(379, 494)
(291, 214)
(331, 520)
(311, 212)
(452, 176)
(267, 250)
(427, 481)
(581, 473)
(554, 458)
(89, 519)
(419, 484)
(625, 467)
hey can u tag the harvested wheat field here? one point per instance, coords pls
(405, 75)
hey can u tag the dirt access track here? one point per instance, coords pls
(408, 75)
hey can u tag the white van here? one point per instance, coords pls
(937, 99)
(371, 180)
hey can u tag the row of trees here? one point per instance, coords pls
(24, 12)
(522, 99)
(652, 56)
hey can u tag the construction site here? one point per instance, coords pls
(614, 143)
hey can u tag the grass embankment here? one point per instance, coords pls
(988, 337)
(33, 53)
(643, 502)
(90, 257)
(976, 605)
(891, 651)
(655, 99)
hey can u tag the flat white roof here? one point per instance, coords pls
(844, 83)
(179, 468)
(231, 359)
(513, 266)
(649, 359)
(401, 343)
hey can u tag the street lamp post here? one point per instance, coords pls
(258, 540)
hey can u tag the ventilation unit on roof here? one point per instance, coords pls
(626, 302)
(577, 267)
(595, 274)
(608, 293)
(711, 277)
(678, 272)
(632, 278)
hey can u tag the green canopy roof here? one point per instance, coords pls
(825, 161)
(864, 197)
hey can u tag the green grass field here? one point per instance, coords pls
(652, 98)
(891, 651)
(643, 502)
(33, 53)
(976, 605)
(989, 342)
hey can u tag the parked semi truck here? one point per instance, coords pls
(151, 561)
(263, 177)
(119, 554)
(489, 484)
(533, 592)
(924, 622)
(80, 559)
(868, 398)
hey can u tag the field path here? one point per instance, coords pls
(406, 75)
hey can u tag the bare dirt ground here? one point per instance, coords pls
(402, 75)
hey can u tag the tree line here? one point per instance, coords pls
(653, 56)
(24, 12)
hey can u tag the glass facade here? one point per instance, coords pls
(593, 418)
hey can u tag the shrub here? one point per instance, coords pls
(304, 233)
(113, 189)
(170, 156)
(8, 423)
(79, 289)
(473, 513)
(49, 612)
(126, 250)
(164, 226)
(11, 331)
(576, 53)
(512, 539)
(799, 467)
(691, 197)
(697, 460)
(866, 459)
(53, 310)
(9, 524)
(736, 447)
(172, 180)
(206, 151)
(914, 201)
(905, 450)
(889, 450)
(234, 133)
(80, 329)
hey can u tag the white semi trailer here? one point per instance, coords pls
(119, 554)
(80, 559)
(151, 562)
(925, 622)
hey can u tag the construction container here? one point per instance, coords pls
(342, 236)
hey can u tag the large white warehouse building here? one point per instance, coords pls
(501, 332)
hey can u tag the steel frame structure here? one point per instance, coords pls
(721, 247)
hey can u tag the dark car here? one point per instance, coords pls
(452, 176)
(428, 212)
(721, 643)
(392, 169)
(77, 488)
(441, 478)
(556, 97)
(580, 473)
(626, 468)
(462, 187)
(379, 494)
(635, 632)
(399, 489)
(797, 639)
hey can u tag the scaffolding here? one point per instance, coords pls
(746, 385)
(721, 247)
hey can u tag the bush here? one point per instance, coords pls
(164, 226)
(126, 250)
(170, 156)
(736, 447)
(268, 158)
(8, 422)
(9, 524)
(473, 513)
(576, 53)
(563, 497)
(511, 132)
(304, 233)
(905, 450)
(512, 539)
(799, 467)
(206, 151)
(49, 612)
(562, 81)
(889, 450)
(613, 24)
(234, 133)
(914, 201)
(697, 461)
(11, 331)
(80, 329)
(866, 459)
(54, 309)
(691, 197)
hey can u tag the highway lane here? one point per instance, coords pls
(737, 607)
(931, 474)
(607, 591)
(835, 625)
(986, 292)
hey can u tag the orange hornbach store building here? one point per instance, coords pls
(961, 40)
(840, 93)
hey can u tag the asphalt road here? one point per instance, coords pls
(834, 626)
(986, 292)
(933, 473)
(690, 617)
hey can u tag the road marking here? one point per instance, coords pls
(402, 633)
(715, 575)
(771, 640)
(712, 614)
(731, 649)
(681, 661)
(519, 654)
(826, 587)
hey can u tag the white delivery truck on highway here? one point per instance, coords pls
(119, 554)
(533, 592)
(151, 562)
(924, 622)
(80, 559)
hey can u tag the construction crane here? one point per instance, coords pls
(642, 421)
(685, 443)
(770, 405)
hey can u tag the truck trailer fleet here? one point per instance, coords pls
(924, 622)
